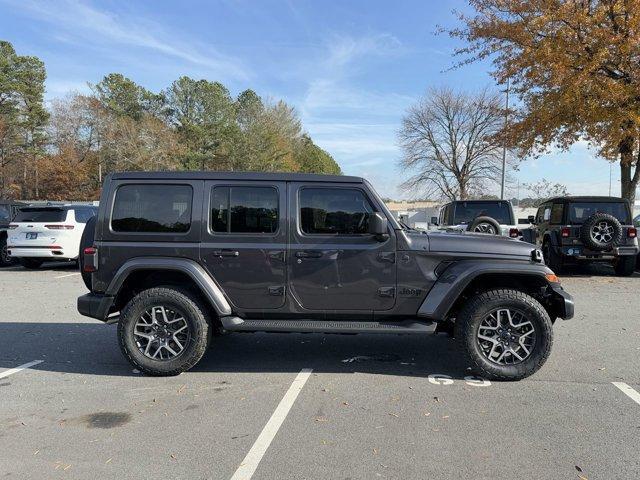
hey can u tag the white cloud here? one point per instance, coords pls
(77, 20)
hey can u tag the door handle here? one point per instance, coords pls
(308, 254)
(225, 253)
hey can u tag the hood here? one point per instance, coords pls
(466, 242)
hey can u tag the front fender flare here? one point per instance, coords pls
(452, 282)
(199, 275)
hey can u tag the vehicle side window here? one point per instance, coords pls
(546, 214)
(334, 211)
(84, 214)
(152, 208)
(556, 213)
(244, 210)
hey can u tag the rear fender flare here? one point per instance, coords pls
(200, 277)
(452, 282)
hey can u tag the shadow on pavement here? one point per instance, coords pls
(92, 349)
(591, 270)
(47, 266)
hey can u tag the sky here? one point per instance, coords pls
(350, 68)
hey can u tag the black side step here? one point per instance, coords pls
(236, 324)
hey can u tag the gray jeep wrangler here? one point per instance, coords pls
(177, 257)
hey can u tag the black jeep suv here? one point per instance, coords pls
(8, 210)
(177, 257)
(586, 229)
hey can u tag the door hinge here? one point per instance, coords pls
(387, 292)
(387, 257)
(276, 290)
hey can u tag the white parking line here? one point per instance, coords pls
(68, 275)
(248, 466)
(628, 391)
(24, 366)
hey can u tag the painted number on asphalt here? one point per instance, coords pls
(439, 379)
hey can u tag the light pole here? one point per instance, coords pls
(504, 146)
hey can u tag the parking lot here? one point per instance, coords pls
(275, 406)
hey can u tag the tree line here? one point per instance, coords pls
(573, 68)
(64, 150)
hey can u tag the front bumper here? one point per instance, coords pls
(562, 302)
(95, 305)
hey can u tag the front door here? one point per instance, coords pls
(244, 241)
(334, 264)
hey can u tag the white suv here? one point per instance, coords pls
(47, 233)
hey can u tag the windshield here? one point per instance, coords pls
(579, 212)
(466, 212)
(39, 215)
(5, 213)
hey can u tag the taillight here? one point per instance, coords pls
(565, 232)
(514, 232)
(632, 232)
(59, 227)
(13, 226)
(90, 259)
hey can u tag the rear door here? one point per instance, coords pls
(334, 264)
(244, 241)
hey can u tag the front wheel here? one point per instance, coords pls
(164, 331)
(505, 334)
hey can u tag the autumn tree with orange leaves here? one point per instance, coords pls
(575, 66)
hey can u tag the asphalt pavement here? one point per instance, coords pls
(294, 406)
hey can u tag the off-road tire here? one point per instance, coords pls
(590, 222)
(486, 220)
(196, 315)
(31, 263)
(5, 259)
(552, 258)
(625, 266)
(478, 307)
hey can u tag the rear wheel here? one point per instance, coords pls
(5, 259)
(552, 258)
(625, 266)
(31, 263)
(505, 334)
(164, 331)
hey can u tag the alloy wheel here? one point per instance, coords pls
(485, 228)
(162, 333)
(602, 232)
(506, 336)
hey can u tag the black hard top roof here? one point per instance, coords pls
(585, 198)
(203, 175)
(4, 201)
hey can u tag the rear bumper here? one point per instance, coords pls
(95, 305)
(581, 253)
(41, 252)
(562, 302)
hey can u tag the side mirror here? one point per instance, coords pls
(378, 225)
(532, 219)
(434, 221)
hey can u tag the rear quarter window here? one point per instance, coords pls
(145, 208)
